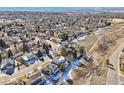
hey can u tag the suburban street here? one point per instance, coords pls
(4, 79)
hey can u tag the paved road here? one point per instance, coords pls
(113, 75)
(7, 78)
(4, 79)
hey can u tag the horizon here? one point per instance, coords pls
(62, 9)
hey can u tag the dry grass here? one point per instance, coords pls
(116, 32)
(89, 41)
(117, 20)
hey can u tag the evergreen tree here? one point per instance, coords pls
(50, 46)
(38, 43)
(82, 50)
(39, 53)
(0, 58)
(44, 46)
(62, 67)
(25, 48)
(47, 49)
(75, 53)
(10, 54)
(2, 44)
(64, 52)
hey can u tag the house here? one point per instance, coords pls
(75, 62)
(47, 70)
(58, 61)
(28, 60)
(64, 42)
(56, 75)
(67, 72)
(8, 69)
(40, 82)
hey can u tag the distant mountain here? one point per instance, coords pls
(64, 9)
(110, 9)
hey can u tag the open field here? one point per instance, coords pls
(118, 33)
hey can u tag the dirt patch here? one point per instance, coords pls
(117, 20)
(89, 41)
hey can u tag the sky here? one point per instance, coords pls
(60, 3)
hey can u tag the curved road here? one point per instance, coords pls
(113, 74)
